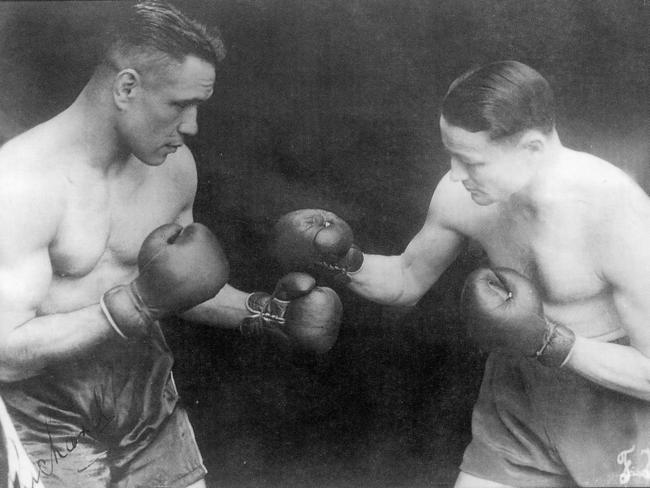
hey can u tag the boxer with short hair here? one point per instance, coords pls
(99, 244)
(563, 307)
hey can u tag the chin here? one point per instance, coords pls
(159, 161)
(153, 160)
(482, 199)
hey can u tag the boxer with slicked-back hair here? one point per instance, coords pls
(99, 244)
(562, 307)
(502, 99)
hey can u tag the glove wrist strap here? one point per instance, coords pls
(126, 312)
(256, 301)
(342, 269)
(354, 260)
(557, 346)
(110, 318)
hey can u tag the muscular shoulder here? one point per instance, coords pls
(601, 204)
(31, 157)
(595, 187)
(32, 190)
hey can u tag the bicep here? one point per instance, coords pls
(24, 283)
(438, 243)
(430, 252)
(28, 217)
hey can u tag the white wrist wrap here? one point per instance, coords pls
(110, 319)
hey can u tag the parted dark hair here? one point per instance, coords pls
(502, 98)
(155, 29)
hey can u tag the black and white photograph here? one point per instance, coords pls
(324, 244)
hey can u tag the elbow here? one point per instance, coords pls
(645, 390)
(413, 286)
(642, 376)
(409, 295)
(404, 298)
(410, 301)
(12, 374)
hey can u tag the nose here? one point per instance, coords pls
(189, 125)
(458, 172)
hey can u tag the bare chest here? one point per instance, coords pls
(554, 253)
(560, 263)
(104, 226)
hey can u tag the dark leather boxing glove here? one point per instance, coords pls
(503, 310)
(298, 314)
(179, 267)
(316, 241)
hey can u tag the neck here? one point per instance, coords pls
(530, 199)
(553, 149)
(91, 118)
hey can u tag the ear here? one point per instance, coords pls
(533, 141)
(125, 87)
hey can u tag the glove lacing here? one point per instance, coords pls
(271, 315)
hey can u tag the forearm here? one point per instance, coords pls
(226, 310)
(614, 366)
(384, 279)
(33, 345)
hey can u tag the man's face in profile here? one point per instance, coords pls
(164, 111)
(490, 170)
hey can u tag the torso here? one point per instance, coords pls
(85, 225)
(554, 249)
(104, 217)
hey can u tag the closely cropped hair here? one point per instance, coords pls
(502, 98)
(154, 30)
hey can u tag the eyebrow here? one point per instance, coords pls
(193, 100)
(190, 101)
(457, 155)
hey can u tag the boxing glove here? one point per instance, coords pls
(179, 267)
(503, 310)
(318, 242)
(297, 315)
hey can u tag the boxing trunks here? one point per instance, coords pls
(103, 411)
(539, 426)
(16, 469)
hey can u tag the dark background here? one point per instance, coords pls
(333, 103)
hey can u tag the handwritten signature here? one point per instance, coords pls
(69, 443)
(629, 471)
